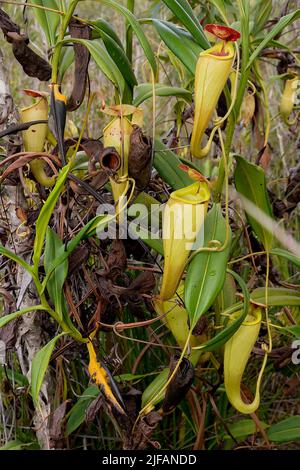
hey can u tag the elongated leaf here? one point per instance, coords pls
(103, 61)
(53, 247)
(137, 30)
(177, 44)
(11, 255)
(224, 335)
(282, 23)
(277, 296)
(144, 91)
(184, 13)
(48, 20)
(250, 182)
(167, 164)
(44, 217)
(98, 222)
(118, 55)
(243, 428)
(77, 413)
(271, 43)
(12, 316)
(260, 15)
(185, 36)
(207, 271)
(17, 377)
(103, 25)
(15, 445)
(295, 330)
(285, 431)
(154, 388)
(144, 235)
(287, 255)
(39, 366)
(67, 59)
(221, 7)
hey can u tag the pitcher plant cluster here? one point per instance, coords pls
(191, 240)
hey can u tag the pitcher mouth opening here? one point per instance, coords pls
(222, 51)
(252, 318)
(196, 193)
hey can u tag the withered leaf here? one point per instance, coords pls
(33, 65)
(82, 59)
(8, 334)
(132, 401)
(142, 284)
(141, 438)
(93, 148)
(23, 160)
(117, 260)
(180, 384)
(264, 157)
(200, 326)
(56, 428)
(94, 409)
(140, 158)
(78, 258)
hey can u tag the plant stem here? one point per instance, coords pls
(58, 47)
(32, 5)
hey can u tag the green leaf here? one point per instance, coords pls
(277, 296)
(224, 335)
(184, 13)
(185, 36)
(144, 91)
(207, 270)
(155, 387)
(243, 428)
(11, 255)
(280, 25)
(44, 217)
(67, 59)
(77, 413)
(48, 20)
(103, 61)
(295, 330)
(121, 60)
(39, 366)
(132, 377)
(287, 255)
(250, 182)
(99, 222)
(221, 7)
(167, 164)
(260, 15)
(154, 243)
(103, 25)
(17, 377)
(178, 44)
(12, 316)
(15, 445)
(53, 248)
(133, 22)
(286, 430)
